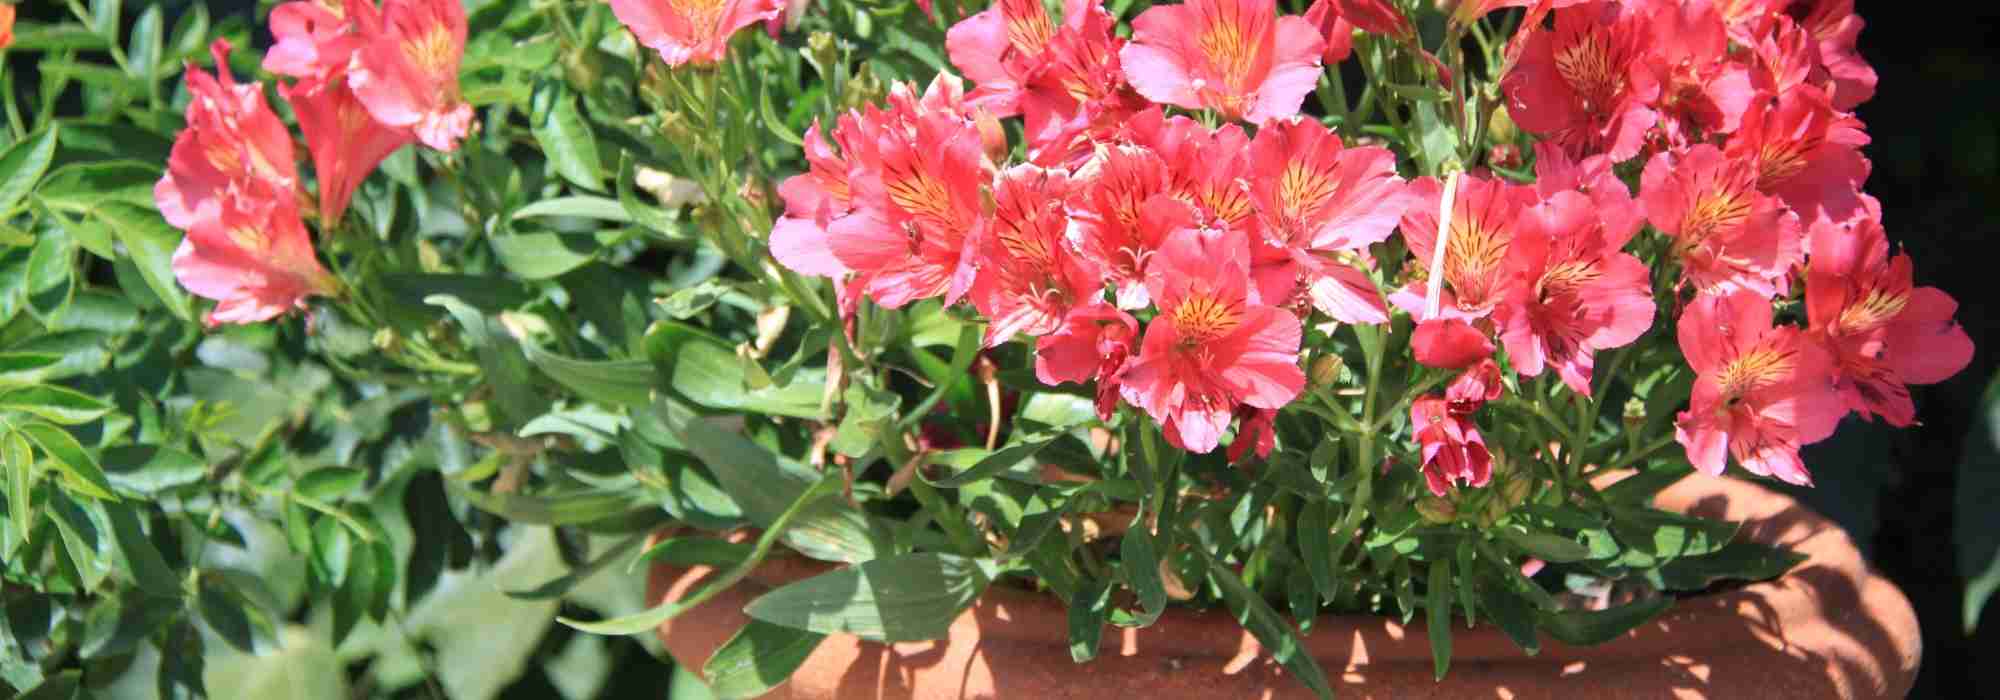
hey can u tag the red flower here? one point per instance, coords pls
(1833, 27)
(405, 69)
(255, 261)
(691, 31)
(1319, 202)
(1452, 449)
(1078, 96)
(1093, 342)
(1883, 331)
(1759, 393)
(313, 39)
(1377, 17)
(1001, 47)
(1255, 427)
(1237, 57)
(1210, 349)
(1333, 28)
(1029, 278)
(233, 148)
(1449, 343)
(1701, 91)
(6, 26)
(1124, 211)
(1583, 84)
(1806, 154)
(1728, 234)
(916, 226)
(1579, 293)
(346, 143)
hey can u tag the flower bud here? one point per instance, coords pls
(387, 340)
(1493, 511)
(1516, 491)
(992, 136)
(822, 49)
(1325, 370)
(1635, 414)
(1504, 155)
(1436, 511)
(1500, 128)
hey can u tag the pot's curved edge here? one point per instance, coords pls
(1831, 627)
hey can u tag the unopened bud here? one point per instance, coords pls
(1504, 155)
(1635, 413)
(387, 340)
(1436, 511)
(1501, 129)
(992, 136)
(1515, 492)
(821, 48)
(1495, 509)
(1325, 370)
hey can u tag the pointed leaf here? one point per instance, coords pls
(905, 598)
(759, 657)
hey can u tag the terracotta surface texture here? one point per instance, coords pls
(1831, 628)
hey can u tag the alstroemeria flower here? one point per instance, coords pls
(1449, 343)
(1124, 211)
(1728, 234)
(1094, 342)
(1759, 392)
(691, 31)
(1001, 47)
(406, 67)
(1453, 452)
(1806, 154)
(312, 39)
(6, 26)
(1580, 293)
(812, 200)
(1210, 350)
(1317, 201)
(346, 143)
(1377, 17)
(1237, 57)
(1883, 331)
(916, 226)
(233, 145)
(1078, 97)
(255, 262)
(1333, 28)
(1834, 28)
(1255, 427)
(1583, 83)
(1702, 91)
(1029, 278)
(1486, 216)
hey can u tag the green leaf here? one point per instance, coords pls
(142, 559)
(692, 552)
(566, 137)
(1510, 612)
(142, 54)
(226, 613)
(24, 367)
(85, 187)
(55, 403)
(870, 415)
(330, 483)
(539, 256)
(1977, 524)
(150, 242)
(1640, 488)
(506, 369)
(1272, 631)
(555, 588)
(1437, 614)
(611, 382)
(1655, 535)
(1588, 627)
(649, 619)
(85, 476)
(1316, 526)
(84, 543)
(1741, 561)
(151, 469)
(22, 166)
(706, 371)
(759, 657)
(904, 598)
(1001, 460)
(543, 509)
(776, 124)
(655, 220)
(1087, 611)
(1546, 546)
(1139, 561)
(35, 36)
(19, 460)
(581, 206)
(118, 625)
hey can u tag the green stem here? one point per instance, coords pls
(961, 360)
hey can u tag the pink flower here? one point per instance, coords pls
(691, 31)
(1701, 91)
(1093, 342)
(1255, 427)
(1124, 211)
(256, 262)
(1806, 154)
(1583, 83)
(1377, 17)
(313, 39)
(1452, 449)
(1237, 57)
(1759, 392)
(233, 147)
(1883, 331)
(1210, 349)
(1001, 47)
(1078, 96)
(1449, 343)
(406, 67)
(1728, 234)
(1029, 278)
(1580, 294)
(916, 226)
(1333, 28)
(1320, 202)
(1486, 217)
(346, 143)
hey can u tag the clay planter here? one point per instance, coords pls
(1831, 628)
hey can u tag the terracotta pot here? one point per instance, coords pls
(1831, 628)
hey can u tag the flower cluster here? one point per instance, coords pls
(369, 81)
(1226, 239)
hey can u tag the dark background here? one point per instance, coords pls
(1910, 497)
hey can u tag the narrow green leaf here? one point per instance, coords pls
(1509, 611)
(1087, 611)
(35, 36)
(55, 403)
(1001, 460)
(22, 166)
(1272, 631)
(543, 255)
(1437, 614)
(543, 509)
(759, 657)
(85, 476)
(1316, 526)
(611, 382)
(151, 469)
(1546, 546)
(776, 124)
(578, 206)
(904, 598)
(1588, 627)
(225, 612)
(330, 483)
(151, 243)
(706, 371)
(692, 552)
(1739, 561)
(651, 618)
(1139, 560)
(142, 53)
(555, 588)
(19, 460)
(142, 559)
